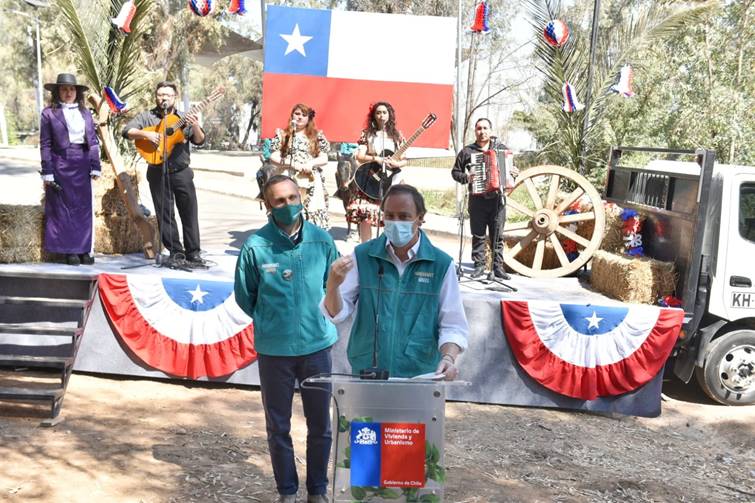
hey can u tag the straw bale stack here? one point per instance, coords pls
(632, 279)
(613, 239)
(21, 231)
(114, 231)
(117, 234)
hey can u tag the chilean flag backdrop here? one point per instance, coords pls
(340, 62)
(183, 327)
(590, 351)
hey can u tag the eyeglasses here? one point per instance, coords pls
(165, 95)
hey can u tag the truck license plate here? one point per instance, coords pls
(743, 300)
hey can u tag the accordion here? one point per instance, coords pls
(490, 169)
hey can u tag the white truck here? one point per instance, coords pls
(701, 216)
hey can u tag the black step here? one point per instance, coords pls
(30, 393)
(43, 301)
(53, 329)
(56, 362)
(37, 284)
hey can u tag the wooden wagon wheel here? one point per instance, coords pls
(548, 220)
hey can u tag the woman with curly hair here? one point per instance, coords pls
(300, 151)
(380, 136)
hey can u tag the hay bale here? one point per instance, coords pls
(21, 233)
(613, 239)
(632, 279)
(118, 234)
(108, 200)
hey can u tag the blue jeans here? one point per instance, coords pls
(277, 378)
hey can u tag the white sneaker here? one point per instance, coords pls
(286, 498)
(317, 498)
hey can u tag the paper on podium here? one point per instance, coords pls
(432, 376)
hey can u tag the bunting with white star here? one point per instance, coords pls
(183, 327)
(590, 351)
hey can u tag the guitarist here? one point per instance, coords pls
(377, 143)
(178, 187)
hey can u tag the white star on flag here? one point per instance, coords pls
(594, 321)
(295, 41)
(197, 295)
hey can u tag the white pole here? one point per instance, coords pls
(40, 95)
(458, 121)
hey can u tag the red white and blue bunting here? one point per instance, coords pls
(590, 351)
(183, 327)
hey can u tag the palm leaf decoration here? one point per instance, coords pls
(105, 56)
(652, 22)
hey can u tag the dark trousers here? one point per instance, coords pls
(487, 215)
(183, 195)
(277, 377)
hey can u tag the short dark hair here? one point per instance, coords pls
(490, 124)
(275, 179)
(167, 83)
(402, 188)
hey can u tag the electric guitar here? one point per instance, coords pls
(173, 127)
(370, 178)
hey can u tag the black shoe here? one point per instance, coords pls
(478, 272)
(73, 260)
(502, 275)
(194, 259)
(86, 259)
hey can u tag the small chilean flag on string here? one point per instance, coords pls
(125, 16)
(237, 7)
(114, 102)
(340, 62)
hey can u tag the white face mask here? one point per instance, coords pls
(399, 232)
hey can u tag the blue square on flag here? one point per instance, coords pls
(297, 41)
(365, 454)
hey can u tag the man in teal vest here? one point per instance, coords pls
(411, 285)
(280, 279)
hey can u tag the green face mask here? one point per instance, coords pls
(287, 215)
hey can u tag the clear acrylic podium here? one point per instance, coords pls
(394, 428)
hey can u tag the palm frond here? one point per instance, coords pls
(104, 55)
(571, 63)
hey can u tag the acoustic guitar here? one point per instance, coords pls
(173, 127)
(371, 179)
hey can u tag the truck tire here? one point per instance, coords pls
(728, 376)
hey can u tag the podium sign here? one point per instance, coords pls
(388, 440)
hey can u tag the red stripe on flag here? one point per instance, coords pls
(342, 105)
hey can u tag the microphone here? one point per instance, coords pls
(164, 104)
(375, 373)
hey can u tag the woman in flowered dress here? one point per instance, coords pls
(381, 134)
(301, 151)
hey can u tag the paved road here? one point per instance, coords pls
(228, 210)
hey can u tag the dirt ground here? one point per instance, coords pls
(156, 441)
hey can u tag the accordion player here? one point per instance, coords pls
(492, 170)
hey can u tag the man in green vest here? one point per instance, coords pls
(407, 284)
(280, 279)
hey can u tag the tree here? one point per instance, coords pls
(636, 27)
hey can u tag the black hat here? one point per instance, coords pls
(65, 79)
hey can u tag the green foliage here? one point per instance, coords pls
(628, 32)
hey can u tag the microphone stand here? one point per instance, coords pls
(375, 373)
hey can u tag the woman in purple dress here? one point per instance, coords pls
(70, 155)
